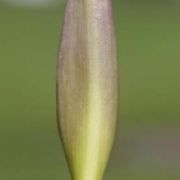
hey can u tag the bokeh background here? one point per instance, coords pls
(148, 138)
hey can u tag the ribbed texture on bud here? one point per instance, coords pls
(87, 87)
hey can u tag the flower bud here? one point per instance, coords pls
(87, 87)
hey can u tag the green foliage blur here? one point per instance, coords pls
(148, 34)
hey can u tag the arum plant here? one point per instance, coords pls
(87, 87)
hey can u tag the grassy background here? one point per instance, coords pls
(148, 42)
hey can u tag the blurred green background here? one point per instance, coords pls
(148, 139)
